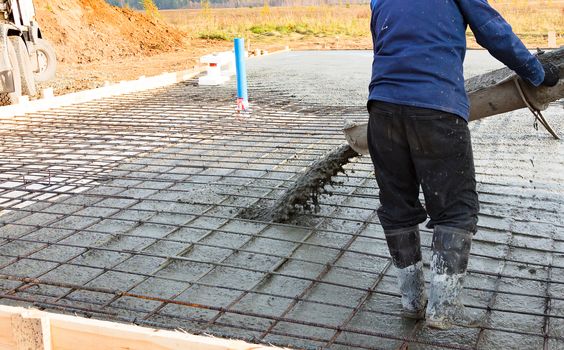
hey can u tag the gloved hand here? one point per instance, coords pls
(551, 74)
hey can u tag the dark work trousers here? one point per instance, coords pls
(412, 147)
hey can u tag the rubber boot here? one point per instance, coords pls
(405, 249)
(451, 247)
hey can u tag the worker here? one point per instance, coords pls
(418, 136)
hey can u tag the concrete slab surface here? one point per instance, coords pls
(126, 209)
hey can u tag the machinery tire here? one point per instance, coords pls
(47, 60)
(8, 98)
(24, 63)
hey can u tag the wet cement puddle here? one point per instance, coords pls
(303, 195)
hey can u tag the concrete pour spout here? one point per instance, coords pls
(493, 93)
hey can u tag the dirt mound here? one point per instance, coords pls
(91, 30)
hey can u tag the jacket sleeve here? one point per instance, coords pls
(495, 34)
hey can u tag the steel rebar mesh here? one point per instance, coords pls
(126, 209)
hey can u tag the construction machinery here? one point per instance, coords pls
(25, 56)
(490, 94)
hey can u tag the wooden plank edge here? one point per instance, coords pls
(31, 329)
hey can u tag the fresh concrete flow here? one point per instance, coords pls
(127, 209)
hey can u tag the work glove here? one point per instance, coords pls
(551, 74)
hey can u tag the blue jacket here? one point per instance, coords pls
(419, 47)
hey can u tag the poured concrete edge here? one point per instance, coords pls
(267, 53)
(124, 87)
(22, 328)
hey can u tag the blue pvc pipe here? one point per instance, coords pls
(242, 93)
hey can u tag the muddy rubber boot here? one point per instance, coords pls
(451, 247)
(405, 249)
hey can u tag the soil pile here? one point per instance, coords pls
(85, 31)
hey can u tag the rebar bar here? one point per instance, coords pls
(126, 209)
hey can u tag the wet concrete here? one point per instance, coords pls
(163, 221)
(341, 77)
(303, 195)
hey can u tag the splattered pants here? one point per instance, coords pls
(413, 148)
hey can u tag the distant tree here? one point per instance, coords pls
(150, 8)
(134, 4)
(175, 4)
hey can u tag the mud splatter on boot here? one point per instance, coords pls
(404, 245)
(411, 283)
(451, 248)
(445, 309)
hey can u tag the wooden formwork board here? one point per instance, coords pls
(31, 329)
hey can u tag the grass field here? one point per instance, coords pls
(346, 24)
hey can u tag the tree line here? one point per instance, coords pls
(180, 4)
(161, 4)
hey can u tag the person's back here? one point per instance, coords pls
(418, 137)
(419, 49)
